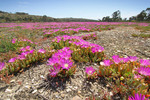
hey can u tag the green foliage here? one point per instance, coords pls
(141, 35)
(122, 78)
(6, 45)
(141, 16)
(66, 73)
(56, 34)
(80, 54)
(30, 59)
(116, 16)
(144, 15)
(143, 28)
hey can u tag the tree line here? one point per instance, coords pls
(6, 17)
(144, 15)
(23, 17)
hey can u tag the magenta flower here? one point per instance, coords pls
(12, 59)
(115, 56)
(97, 49)
(133, 58)
(55, 70)
(31, 51)
(124, 60)
(24, 40)
(137, 97)
(2, 65)
(50, 62)
(144, 62)
(60, 60)
(66, 64)
(23, 49)
(116, 59)
(27, 47)
(136, 76)
(64, 54)
(13, 41)
(107, 62)
(89, 70)
(21, 57)
(144, 71)
(53, 73)
(84, 46)
(41, 50)
(25, 53)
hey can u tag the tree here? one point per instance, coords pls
(148, 10)
(141, 16)
(2, 12)
(125, 19)
(116, 16)
(44, 18)
(22, 13)
(99, 20)
(133, 18)
(148, 14)
(106, 19)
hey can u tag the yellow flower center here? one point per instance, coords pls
(90, 72)
(66, 65)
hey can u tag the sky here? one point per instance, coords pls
(91, 9)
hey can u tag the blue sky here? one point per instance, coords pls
(92, 9)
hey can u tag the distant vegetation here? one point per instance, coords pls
(5, 17)
(143, 16)
(25, 17)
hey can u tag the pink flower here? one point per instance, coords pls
(52, 61)
(27, 47)
(12, 59)
(55, 70)
(125, 59)
(23, 49)
(25, 53)
(144, 62)
(115, 56)
(137, 97)
(89, 70)
(133, 58)
(97, 49)
(13, 41)
(2, 65)
(107, 62)
(42, 51)
(144, 71)
(136, 76)
(116, 59)
(31, 51)
(66, 64)
(84, 46)
(21, 57)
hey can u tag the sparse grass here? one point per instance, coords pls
(7, 49)
(142, 35)
(6, 45)
(4, 57)
(143, 28)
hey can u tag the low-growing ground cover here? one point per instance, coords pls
(75, 64)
